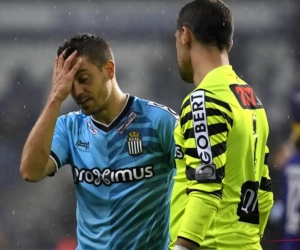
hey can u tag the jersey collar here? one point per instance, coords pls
(225, 70)
(118, 118)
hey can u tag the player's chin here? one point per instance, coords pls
(87, 110)
(90, 110)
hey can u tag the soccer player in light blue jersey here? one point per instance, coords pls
(120, 148)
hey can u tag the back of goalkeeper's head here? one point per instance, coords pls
(295, 116)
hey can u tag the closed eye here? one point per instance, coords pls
(83, 80)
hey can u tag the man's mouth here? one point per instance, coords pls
(83, 101)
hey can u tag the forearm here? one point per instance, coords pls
(199, 214)
(36, 150)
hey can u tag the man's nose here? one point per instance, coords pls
(77, 89)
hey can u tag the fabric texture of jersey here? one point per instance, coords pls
(123, 175)
(291, 200)
(222, 191)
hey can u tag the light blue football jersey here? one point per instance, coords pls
(123, 175)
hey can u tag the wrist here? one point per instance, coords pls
(53, 99)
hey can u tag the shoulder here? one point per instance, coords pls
(71, 117)
(200, 97)
(156, 111)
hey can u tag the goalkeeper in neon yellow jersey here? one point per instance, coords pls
(222, 194)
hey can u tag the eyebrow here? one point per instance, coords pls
(80, 71)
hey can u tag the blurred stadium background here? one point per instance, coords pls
(141, 33)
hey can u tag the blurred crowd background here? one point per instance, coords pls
(141, 33)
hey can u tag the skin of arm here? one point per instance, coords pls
(35, 161)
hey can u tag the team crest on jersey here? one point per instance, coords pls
(135, 143)
(91, 128)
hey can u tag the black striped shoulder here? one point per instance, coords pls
(204, 99)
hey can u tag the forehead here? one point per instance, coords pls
(86, 64)
(86, 67)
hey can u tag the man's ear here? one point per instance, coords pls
(109, 67)
(186, 36)
(230, 46)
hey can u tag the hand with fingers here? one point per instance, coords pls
(63, 75)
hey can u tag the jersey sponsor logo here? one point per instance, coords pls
(82, 146)
(205, 172)
(134, 143)
(107, 176)
(178, 152)
(197, 100)
(129, 120)
(91, 128)
(246, 96)
(171, 111)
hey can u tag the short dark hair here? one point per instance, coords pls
(210, 21)
(95, 48)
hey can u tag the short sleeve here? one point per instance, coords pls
(60, 145)
(206, 122)
(166, 134)
(166, 120)
(204, 125)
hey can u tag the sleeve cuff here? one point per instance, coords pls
(56, 160)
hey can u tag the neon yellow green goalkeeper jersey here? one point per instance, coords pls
(222, 192)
